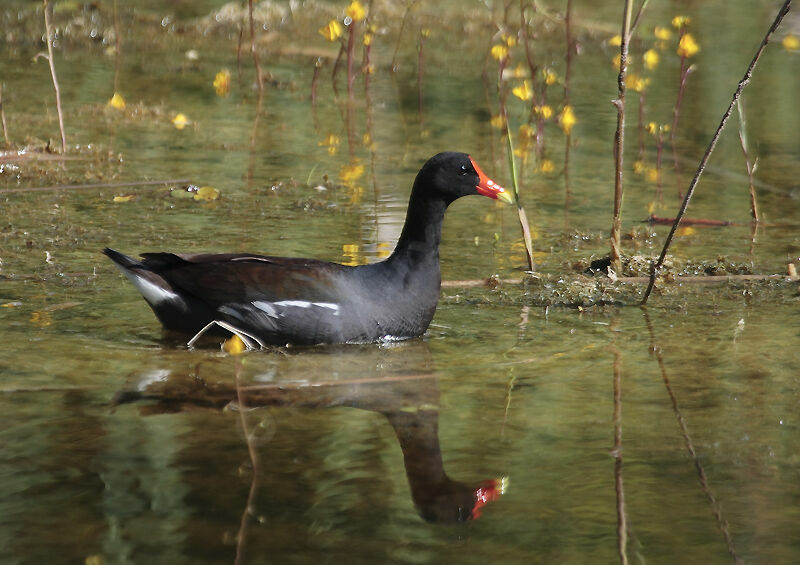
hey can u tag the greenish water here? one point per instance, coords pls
(119, 445)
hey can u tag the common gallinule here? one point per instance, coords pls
(279, 300)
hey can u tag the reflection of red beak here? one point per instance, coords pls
(487, 187)
(487, 492)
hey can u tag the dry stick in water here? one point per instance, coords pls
(49, 34)
(619, 139)
(742, 83)
(3, 118)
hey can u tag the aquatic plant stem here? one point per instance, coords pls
(50, 38)
(117, 47)
(619, 139)
(748, 165)
(523, 218)
(710, 149)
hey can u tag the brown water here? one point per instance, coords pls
(121, 446)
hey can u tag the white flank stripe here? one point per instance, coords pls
(153, 293)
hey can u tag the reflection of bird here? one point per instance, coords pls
(278, 300)
(383, 380)
(437, 497)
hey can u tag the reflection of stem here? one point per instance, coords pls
(49, 33)
(684, 74)
(420, 63)
(317, 67)
(622, 525)
(528, 53)
(568, 136)
(118, 47)
(241, 537)
(710, 149)
(253, 136)
(722, 523)
(351, 42)
(409, 6)
(254, 51)
(336, 69)
(239, 53)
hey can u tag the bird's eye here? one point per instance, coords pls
(464, 170)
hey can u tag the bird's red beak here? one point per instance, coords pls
(487, 187)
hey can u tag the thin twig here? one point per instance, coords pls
(742, 83)
(619, 139)
(49, 33)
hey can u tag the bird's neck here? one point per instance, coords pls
(422, 232)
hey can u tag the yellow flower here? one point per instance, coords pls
(518, 72)
(497, 121)
(331, 142)
(499, 52)
(791, 42)
(180, 121)
(662, 33)
(332, 31)
(349, 174)
(547, 166)
(523, 91)
(222, 82)
(526, 131)
(650, 59)
(350, 251)
(638, 167)
(687, 46)
(567, 119)
(509, 40)
(615, 41)
(425, 32)
(638, 83)
(117, 101)
(356, 11)
(550, 77)
(545, 111)
(679, 22)
(651, 128)
(366, 141)
(616, 61)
